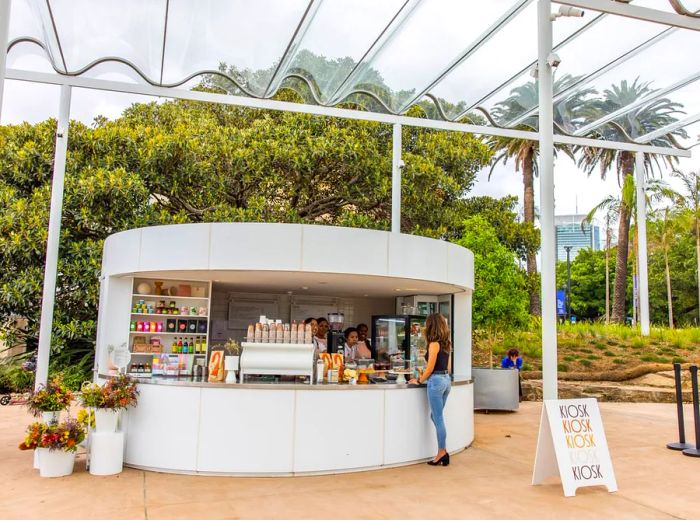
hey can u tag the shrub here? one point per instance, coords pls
(585, 362)
(601, 346)
(609, 353)
(678, 360)
(593, 357)
(562, 367)
(619, 361)
(14, 378)
(570, 358)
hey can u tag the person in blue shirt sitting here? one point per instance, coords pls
(513, 360)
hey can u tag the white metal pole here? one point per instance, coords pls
(548, 257)
(396, 165)
(51, 266)
(4, 38)
(643, 285)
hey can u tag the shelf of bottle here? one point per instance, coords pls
(169, 297)
(160, 353)
(169, 333)
(169, 316)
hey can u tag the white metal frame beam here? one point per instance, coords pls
(547, 232)
(396, 165)
(271, 104)
(637, 12)
(5, 6)
(639, 171)
(54, 238)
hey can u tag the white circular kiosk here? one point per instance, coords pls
(184, 425)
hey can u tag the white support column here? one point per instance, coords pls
(462, 327)
(642, 244)
(51, 266)
(547, 255)
(396, 165)
(4, 39)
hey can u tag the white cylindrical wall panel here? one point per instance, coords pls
(287, 247)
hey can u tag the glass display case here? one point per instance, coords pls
(400, 337)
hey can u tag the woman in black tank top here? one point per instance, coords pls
(437, 375)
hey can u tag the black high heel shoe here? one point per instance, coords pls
(444, 460)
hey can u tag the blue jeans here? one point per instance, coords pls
(438, 390)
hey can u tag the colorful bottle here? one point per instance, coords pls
(185, 347)
(179, 346)
(173, 347)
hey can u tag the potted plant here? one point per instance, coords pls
(232, 356)
(50, 400)
(107, 401)
(56, 443)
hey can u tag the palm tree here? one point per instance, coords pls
(524, 152)
(642, 120)
(615, 208)
(691, 199)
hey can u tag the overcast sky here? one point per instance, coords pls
(426, 45)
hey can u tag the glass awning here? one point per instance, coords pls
(458, 61)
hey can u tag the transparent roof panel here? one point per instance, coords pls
(89, 31)
(428, 41)
(693, 135)
(639, 78)
(25, 21)
(242, 38)
(658, 112)
(27, 56)
(337, 40)
(453, 58)
(477, 77)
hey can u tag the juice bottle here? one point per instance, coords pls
(185, 347)
(179, 346)
(173, 347)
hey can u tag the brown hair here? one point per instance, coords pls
(436, 330)
(513, 352)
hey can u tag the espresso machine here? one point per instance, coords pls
(335, 337)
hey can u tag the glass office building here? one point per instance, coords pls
(569, 232)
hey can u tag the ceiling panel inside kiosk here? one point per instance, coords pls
(451, 59)
(320, 284)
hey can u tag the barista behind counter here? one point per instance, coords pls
(354, 349)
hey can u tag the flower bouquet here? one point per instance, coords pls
(49, 400)
(117, 394)
(57, 444)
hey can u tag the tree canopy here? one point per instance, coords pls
(182, 161)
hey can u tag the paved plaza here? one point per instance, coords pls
(489, 480)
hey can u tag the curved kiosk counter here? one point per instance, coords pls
(185, 425)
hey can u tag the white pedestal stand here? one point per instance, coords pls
(106, 453)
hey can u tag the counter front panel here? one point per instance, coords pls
(288, 429)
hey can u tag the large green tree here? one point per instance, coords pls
(182, 161)
(522, 100)
(500, 286)
(652, 116)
